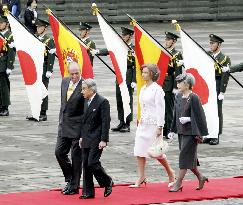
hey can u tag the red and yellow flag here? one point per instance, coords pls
(148, 51)
(69, 48)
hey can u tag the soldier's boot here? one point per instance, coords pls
(4, 111)
(214, 141)
(43, 116)
(118, 127)
(125, 128)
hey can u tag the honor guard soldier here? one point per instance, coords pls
(169, 86)
(49, 58)
(7, 57)
(222, 79)
(124, 126)
(84, 35)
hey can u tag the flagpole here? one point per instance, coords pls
(6, 10)
(80, 40)
(178, 27)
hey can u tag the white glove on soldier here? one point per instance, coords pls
(184, 120)
(175, 91)
(133, 85)
(52, 51)
(8, 71)
(221, 96)
(94, 52)
(180, 62)
(48, 74)
(225, 69)
(171, 136)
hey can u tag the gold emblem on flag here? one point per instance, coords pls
(70, 55)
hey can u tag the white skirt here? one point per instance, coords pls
(145, 136)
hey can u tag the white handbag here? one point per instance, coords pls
(158, 148)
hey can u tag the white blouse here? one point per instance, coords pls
(152, 105)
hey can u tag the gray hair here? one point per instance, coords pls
(90, 84)
(74, 65)
(154, 71)
(188, 78)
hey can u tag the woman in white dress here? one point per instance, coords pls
(151, 123)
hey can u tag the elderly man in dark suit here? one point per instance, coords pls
(71, 111)
(94, 137)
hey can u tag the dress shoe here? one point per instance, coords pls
(125, 128)
(214, 141)
(31, 118)
(118, 127)
(202, 182)
(144, 181)
(71, 191)
(43, 118)
(66, 187)
(108, 189)
(176, 189)
(206, 140)
(86, 197)
(4, 113)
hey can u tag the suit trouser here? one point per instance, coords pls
(169, 107)
(71, 170)
(92, 167)
(4, 90)
(120, 104)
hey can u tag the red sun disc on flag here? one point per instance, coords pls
(116, 67)
(28, 67)
(200, 87)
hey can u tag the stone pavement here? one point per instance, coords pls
(27, 161)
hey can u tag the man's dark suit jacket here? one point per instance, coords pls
(71, 111)
(96, 122)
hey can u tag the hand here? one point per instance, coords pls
(159, 131)
(33, 21)
(48, 74)
(133, 85)
(180, 62)
(8, 71)
(221, 96)
(94, 52)
(199, 139)
(52, 51)
(80, 142)
(225, 69)
(184, 120)
(175, 91)
(102, 145)
(171, 136)
(11, 45)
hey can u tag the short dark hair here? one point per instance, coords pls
(153, 69)
(29, 2)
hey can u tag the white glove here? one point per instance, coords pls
(184, 120)
(94, 52)
(8, 71)
(225, 69)
(52, 51)
(171, 136)
(221, 96)
(48, 74)
(175, 91)
(180, 62)
(11, 45)
(133, 85)
(33, 21)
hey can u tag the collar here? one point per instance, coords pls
(84, 39)
(216, 54)
(75, 84)
(90, 100)
(4, 32)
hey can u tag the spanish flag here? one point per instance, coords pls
(148, 51)
(69, 48)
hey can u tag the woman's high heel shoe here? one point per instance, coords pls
(202, 182)
(176, 189)
(144, 181)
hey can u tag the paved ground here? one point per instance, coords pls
(27, 161)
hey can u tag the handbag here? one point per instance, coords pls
(158, 148)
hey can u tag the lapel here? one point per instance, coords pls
(92, 105)
(65, 89)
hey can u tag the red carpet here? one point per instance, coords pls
(122, 195)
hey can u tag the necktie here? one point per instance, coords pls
(70, 91)
(89, 101)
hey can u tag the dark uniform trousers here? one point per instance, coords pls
(221, 83)
(169, 84)
(7, 57)
(47, 66)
